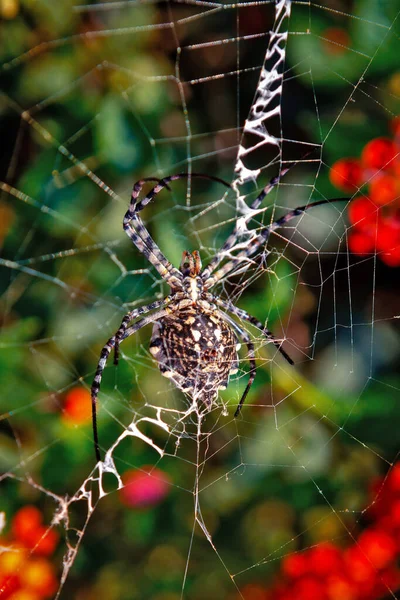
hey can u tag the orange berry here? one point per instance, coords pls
(346, 174)
(77, 407)
(26, 595)
(339, 586)
(12, 560)
(379, 153)
(38, 576)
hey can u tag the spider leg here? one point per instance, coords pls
(137, 232)
(130, 316)
(251, 357)
(253, 371)
(242, 314)
(105, 353)
(261, 239)
(231, 240)
(135, 229)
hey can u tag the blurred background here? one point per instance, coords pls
(300, 497)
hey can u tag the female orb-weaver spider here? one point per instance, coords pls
(193, 340)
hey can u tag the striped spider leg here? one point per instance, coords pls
(233, 238)
(244, 316)
(250, 357)
(258, 242)
(123, 332)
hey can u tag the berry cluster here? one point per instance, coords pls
(375, 216)
(25, 570)
(365, 570)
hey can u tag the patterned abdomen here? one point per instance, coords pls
(197, 350)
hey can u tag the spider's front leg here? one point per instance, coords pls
(258, 242)
(242, 314)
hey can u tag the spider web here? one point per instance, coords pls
(97, 96)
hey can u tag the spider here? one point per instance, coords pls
(194, 338)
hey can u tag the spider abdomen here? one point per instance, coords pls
(197, 350)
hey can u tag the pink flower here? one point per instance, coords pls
(144, 488)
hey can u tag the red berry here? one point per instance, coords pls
(393, 478)
(26, 522)
(295, 565)
(392, 258)
(360, 570)
(379, 154)
(384, 189)
(340, 587)
(361, 243)
(44, 541)
(346, 174)
(363, 213)
(378, 546)
(388, 236)
(309, 588)
(394, 515)
(391, 579)
(325, 559)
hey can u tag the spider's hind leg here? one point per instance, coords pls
(105, 353)
(242, 314)
(123, 332)
(235, 364)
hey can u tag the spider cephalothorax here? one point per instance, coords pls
(195, 338)
(192, 283)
